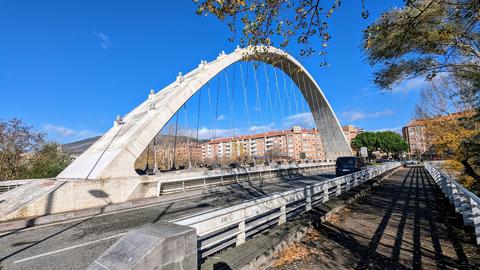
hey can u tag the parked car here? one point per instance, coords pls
(347, 165)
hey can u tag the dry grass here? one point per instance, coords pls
(297, 251)
(292, 254)
(313, 234)
(337, 217)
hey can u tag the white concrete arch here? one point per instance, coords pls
(115, 153)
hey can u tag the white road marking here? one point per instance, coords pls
(68, 248)
(104, 214)
(93, 242)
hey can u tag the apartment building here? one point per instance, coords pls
(294, 144)
(351, 132)
(417, 138)
(414, 134)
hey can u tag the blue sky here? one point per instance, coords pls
(68, 68)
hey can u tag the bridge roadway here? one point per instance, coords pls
(75, 244)
(405, 223)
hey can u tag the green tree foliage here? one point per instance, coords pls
(368, 140)
(276, 22)
(47, 162)
(391, 142)
(386, 141)
(428, 38)
(25, 154)
(425, 38)
(16, 141)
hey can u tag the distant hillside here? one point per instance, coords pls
(78, 147)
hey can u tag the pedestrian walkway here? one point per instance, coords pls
(405, 223)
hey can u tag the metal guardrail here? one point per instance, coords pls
(465, 202)
(238, 175)
(7, 185)
(221, 228)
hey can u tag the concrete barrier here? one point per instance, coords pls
(46, 197)
(158, 246)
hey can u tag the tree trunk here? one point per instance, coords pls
(469, 170)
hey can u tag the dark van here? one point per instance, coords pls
(347, 165)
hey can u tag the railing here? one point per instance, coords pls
(465, 202)
(237, 175)
(11, 184)
(221, 228)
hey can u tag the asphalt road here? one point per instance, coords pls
(75, 244)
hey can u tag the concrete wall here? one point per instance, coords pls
(161, 246)
(81, 194)
(51, 197)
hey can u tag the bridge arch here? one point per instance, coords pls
(115, 153)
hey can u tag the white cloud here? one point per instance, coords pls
(304, 120)
(358, 115)
(62, 134)
(103, 39)
(409, 85)
(353, 115)
(58, 130)
(206, 133)
(221, 117)
(262, 128)
(394, 129)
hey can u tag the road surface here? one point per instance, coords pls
(75, 244)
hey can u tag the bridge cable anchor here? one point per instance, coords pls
(150, 98)
(118, 121)
(180, 77)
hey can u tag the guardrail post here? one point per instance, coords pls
(241, 235)
(159, 187)
(466, 209)
(357, 177)
(450, 191)
(444, 185)
(236, 176)
(326, 195)
(283, 215)
(308, 198)
(349, 182)
(339, 187)
(456, 199)
(476, 218)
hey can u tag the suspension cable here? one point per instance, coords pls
(269, 98)
(303, 94)
(314, 112)
(216, 109)
(245, 95)
(293, 90)
(285, 89)
(198, 120)
(175, 141)
(229, 102)
(255, 75)
(278, 93)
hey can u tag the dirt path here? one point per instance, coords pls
(406, 223)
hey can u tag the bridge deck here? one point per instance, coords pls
(406, 223)
(75, 244)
